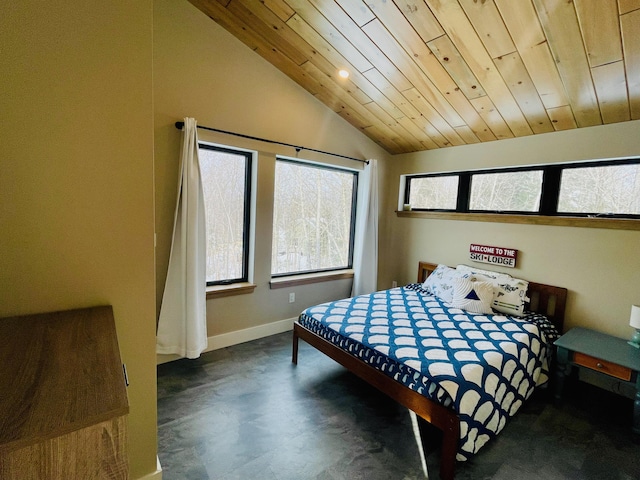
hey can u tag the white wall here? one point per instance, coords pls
(600, 267)
(76, 178)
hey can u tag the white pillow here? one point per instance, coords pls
(510, 296)
(472, 295)
(486, 273)
(509, 293)
(440, 282)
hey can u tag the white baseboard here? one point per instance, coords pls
(239, 336)
(157, 475)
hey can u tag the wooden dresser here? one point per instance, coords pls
(63, 399)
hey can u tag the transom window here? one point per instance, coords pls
(437, 192)
(226, 182)
(600, 188)
(313, 218)
(605, 190)
(506, 191)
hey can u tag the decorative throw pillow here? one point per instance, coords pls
(472, 295)
(440, 282)
(511, 296)
(509, 293)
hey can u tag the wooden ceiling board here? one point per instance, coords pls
(524, 91)
(467, 134)
(263, 21)
(600, 28)
(562, 118)
(324, 48)
(626, 6)
(391, 17)
(449, 57)
(357, 10)
(413, 44)
(422, 104)
(428, 74)
(361, 41)
(392, 93)
(611, 88)
(457, 26)
(331, 86)
(412, 72)
(560, 24)
(492, 117)
(524, 26)
(630, 26)
(396, 132)
(332, 36)
(421, 18)
(376, 132)
(280, 8)
(419, 133)
(490, 27)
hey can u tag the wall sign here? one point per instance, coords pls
(494, 255)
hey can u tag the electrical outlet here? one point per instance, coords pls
(394, 284)
(292, 297)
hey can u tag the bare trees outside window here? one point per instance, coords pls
(601, 190)
(226, 183)
(313, 218)
(439, 193)
(506, 192)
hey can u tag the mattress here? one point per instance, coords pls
(482, 366)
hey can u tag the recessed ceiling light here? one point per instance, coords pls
(343, 73)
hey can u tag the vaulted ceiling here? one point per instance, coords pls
(428, 74)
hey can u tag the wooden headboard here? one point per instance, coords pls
(545, 299)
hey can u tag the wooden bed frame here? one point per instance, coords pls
(545, 299)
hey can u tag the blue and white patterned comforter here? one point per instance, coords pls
(484, 366)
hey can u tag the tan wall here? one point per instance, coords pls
(202, 71)
(600, 267)
(76, 177)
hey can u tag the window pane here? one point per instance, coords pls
(611, 189)
(224, 181)
(434, 192)
(506, 192)
(312, 218)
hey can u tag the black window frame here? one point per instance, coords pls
(246, 234)
(352, 230)
(549, 195)
(504, 170)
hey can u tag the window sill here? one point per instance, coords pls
(611, 223)
(217, 291)
(294, 280)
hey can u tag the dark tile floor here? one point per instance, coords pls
(246, 412)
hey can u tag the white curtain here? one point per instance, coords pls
(182, 328)
(365, 249)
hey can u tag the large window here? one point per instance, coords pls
(313, 218)
(613, 189)
(438, 192)
(506, 191)
(600, 188)
(226, 180)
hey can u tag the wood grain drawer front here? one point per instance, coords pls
(613, 369)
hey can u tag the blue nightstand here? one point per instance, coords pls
(607, 355)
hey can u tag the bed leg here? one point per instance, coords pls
(294, 352)
(450, 439)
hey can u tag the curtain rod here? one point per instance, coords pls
(180, 125)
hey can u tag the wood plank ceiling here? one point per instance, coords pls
(429, 74)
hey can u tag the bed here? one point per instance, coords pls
(421, 374)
